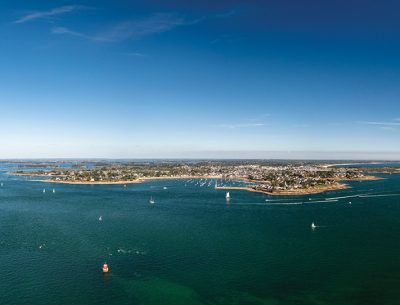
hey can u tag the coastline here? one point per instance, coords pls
(30, 174)
(140, 180)
(89, 182)
(355, 163)
(364, 178)
(294, 192)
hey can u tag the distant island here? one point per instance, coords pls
(268, 178)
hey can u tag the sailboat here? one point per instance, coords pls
(54, 190)
(44, 190)
(227, 196)
(151, 201)
(313, 226)
(100, 218)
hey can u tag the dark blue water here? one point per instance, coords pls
(192, 247)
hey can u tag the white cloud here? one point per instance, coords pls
(133, 29)
(388, 128)
(136, 54)
(63, 30)
(53, 12)
(380, 123)
(235, 126)
(226, 14)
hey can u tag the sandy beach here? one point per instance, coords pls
(140, 180)
(89, 182)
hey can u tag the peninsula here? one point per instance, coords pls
(297, 178)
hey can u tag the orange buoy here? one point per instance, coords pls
(105, 268)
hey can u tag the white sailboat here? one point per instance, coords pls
(151, 201)
(313, 226)
(44, 191)
(227, 196)
(100, 218)
(54, 190)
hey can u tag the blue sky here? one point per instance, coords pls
(130, 79)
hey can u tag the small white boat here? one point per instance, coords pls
(54, 191)
(151, 201)
(2, 184)
(227, 196)
(101, 218)
(164, 188)
(44, 190)
(313, 226)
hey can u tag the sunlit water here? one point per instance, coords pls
(192, 247)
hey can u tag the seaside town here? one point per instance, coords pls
(263, 177)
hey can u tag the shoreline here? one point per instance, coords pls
(89, 182)
(139, 180)
(355, 163)
(294, 192)
(30, 174)
(365, 178)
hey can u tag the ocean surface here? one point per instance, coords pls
(194, 247)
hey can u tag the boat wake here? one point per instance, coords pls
(379, 195)
(279, 200)
(134, 251)
(322, 201)
(284, 203)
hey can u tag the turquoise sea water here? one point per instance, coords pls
(192, 247)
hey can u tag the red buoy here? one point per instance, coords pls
(105, 268)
